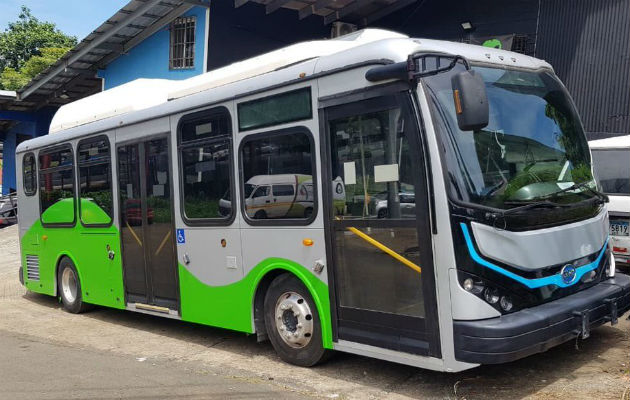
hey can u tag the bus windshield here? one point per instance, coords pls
(533, 148)
(612, 167)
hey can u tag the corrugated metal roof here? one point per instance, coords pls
(74, 75)
(359, 12)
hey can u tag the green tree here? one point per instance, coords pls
(12, 79)
(23, 40)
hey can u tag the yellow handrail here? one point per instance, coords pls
(133, 233)
(168, 235)
(386, 249)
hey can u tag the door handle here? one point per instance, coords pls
(267, 201)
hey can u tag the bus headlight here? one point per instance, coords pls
(491, 295)
(506, 303)
(496, 296)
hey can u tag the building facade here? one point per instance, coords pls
(587, 42)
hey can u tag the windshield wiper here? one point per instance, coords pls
(536, 204)
(582, 185)
(529, 206)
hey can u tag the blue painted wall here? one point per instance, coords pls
(28, 125)
(150, 58)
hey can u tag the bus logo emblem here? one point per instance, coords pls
(568, 273)
(181, 237)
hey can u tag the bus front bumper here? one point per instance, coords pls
(534, 330)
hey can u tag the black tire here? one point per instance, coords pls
(21, 275)
(382, 213)
(311, 353)
(260, 214)
(72, 302)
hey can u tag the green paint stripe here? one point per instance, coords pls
(231, 306)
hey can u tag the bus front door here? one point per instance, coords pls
(380, 253)
(147, 234)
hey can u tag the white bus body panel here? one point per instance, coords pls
(534, 249)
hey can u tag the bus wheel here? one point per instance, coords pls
(293, 323)
(70, 288)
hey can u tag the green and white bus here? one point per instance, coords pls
(424, 202)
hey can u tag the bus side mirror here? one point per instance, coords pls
(471, 101)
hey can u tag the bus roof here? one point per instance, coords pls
(610, 143)
(144, 99)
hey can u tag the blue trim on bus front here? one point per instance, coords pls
(532, 283)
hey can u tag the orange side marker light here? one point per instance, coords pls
(307, 242)
(458, 101)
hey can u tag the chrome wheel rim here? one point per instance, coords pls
(69, 285)
(294, 320)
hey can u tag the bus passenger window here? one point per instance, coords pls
(29, 178)
(205, 154)
(278, 177)
(56, 185)
(95, 182)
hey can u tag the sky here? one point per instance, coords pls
(73, 17)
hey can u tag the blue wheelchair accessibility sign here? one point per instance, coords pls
(181, 236)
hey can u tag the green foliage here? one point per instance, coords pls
(10, 79)
(103, 198)
(201, 207)
(27, 47)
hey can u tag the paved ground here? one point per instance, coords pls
(62, 371)
(193, 361)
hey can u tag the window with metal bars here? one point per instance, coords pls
(182, 54)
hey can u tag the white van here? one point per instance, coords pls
(279, 196)
(611, 160)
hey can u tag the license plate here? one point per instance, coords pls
(619, 228)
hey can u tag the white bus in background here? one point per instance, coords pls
(611, 161)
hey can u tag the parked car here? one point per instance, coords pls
(8, 210)
(406, 200)
(611, 161)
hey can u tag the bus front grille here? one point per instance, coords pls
(32, 268)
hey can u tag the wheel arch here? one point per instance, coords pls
(317, 289)
(60, 257)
